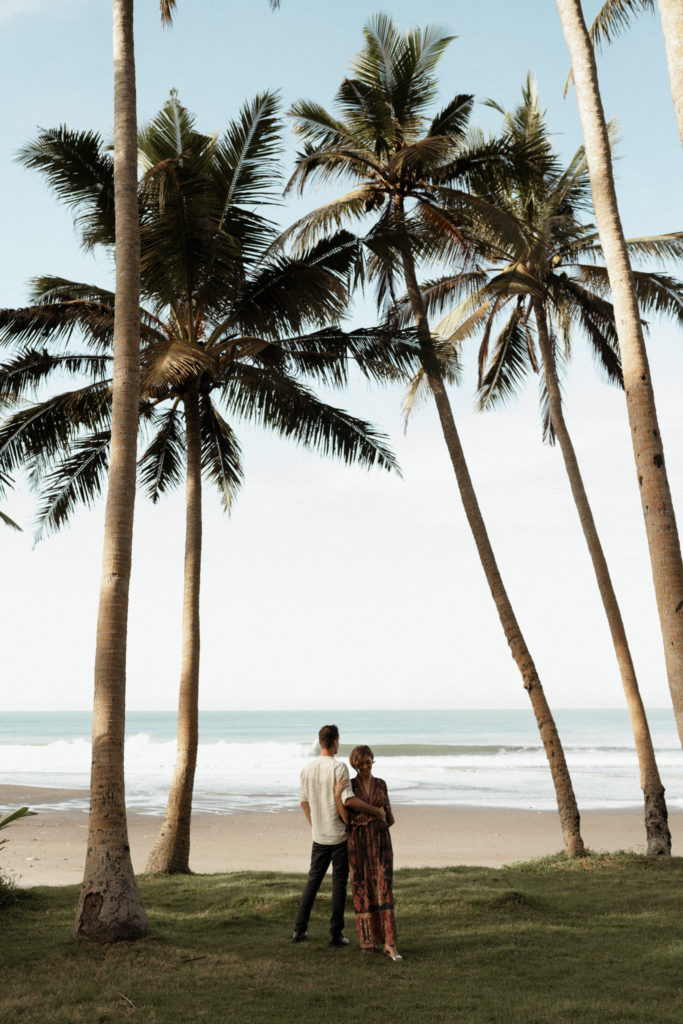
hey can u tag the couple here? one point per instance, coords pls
(358, 811)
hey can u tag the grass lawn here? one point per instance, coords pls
(593, 941)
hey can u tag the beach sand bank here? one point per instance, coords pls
(49, 849)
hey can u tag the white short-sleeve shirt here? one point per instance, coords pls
(317, 789)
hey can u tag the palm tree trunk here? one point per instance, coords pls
(171, 851)
(655, 495)
(656, 817)
(671, 14)
(110, 907)
(564, 791)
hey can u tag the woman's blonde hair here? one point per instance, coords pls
(357, 755)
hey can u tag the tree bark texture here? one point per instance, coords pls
(171, 851)
(671, 14)
(656, 816)
(564, 791)
(655, 495)
(110, 907)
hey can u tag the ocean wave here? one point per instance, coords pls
(238, 775)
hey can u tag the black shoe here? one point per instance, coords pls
(299, 937)
(338, 940)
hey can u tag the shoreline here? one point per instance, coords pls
(49, 849)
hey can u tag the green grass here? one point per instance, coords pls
(593, 941)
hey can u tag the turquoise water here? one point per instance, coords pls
(253, 758)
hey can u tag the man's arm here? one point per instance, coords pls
(360, 805)
(306, 808)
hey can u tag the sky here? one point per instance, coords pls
(330, 587)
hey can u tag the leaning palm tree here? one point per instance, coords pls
(541, 277)
(221, 330)
(648, 449)
(409, 168)
(616, 15)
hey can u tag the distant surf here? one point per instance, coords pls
(252, 759)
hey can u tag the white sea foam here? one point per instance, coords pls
(236, 775)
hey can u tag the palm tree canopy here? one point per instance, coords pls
(225, 312)
(403, 162)
(539, 248)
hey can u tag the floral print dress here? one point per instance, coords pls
(371, 865)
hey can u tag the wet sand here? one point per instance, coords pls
(49, 849)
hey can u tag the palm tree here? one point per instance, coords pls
(615, 15)
(221, 325)
(540, 272)
(110, 907)
(406, 167)
(648, 449)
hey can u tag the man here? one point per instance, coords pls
(329, 833)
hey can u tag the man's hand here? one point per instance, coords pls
(306, 808)
(381, 814)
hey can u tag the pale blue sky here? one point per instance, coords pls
(329, 587)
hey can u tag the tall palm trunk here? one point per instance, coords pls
(671, 14)
(655, 496)
(656, 827)
(564, 791)
(110, 907)
(171, 851)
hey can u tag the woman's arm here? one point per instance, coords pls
(387, 807)
(339, 787)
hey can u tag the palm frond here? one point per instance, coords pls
(383, 354)
(81, 173)
(166, 9)
(245, 169)
(221, 454)
(9, 522)
(463, 319)
(39, 432)
(595, 315)
(277, 402)
(29, 368)
(336, 163)
(661, 247)
(453, 120)
(59, 321)
(318, 224)
(509, 364)
(161, 466)
(415, 396)
(614, 17)
(170, 365)
(77, 479)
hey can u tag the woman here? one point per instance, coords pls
(371, 858)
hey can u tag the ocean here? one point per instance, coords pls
(251, 759)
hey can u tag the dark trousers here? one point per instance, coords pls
(321, 857)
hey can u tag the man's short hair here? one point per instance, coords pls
(327, 736)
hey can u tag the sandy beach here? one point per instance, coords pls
(49, 849)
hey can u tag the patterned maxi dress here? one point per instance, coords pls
(371, 864)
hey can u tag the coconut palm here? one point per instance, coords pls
(616, 15)
(110, 907)
(541, 278)
(648, 449)
(221, 331)
(406, 168)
